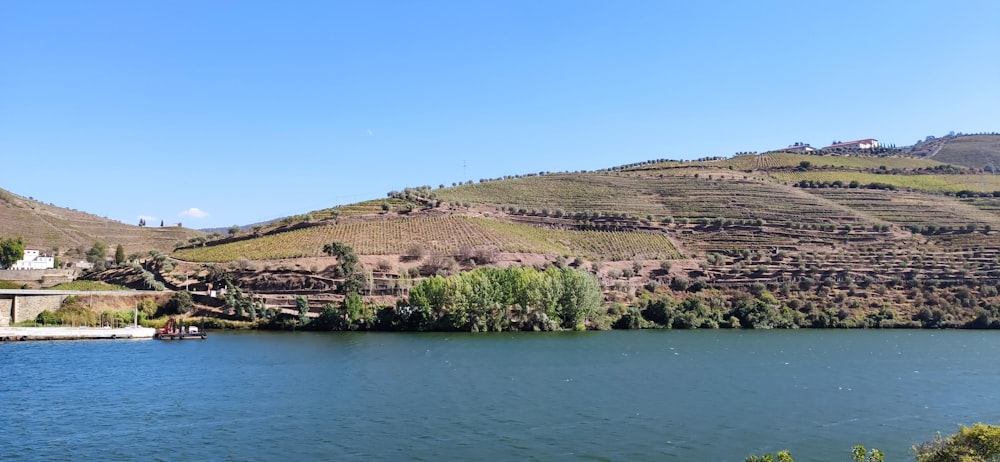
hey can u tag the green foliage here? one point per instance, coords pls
(74, 312)
(147, 307)
(780, 456)
(97, 253)
(348, 265)
(180, 303)
(11, 250)
(85, 285)
(12, 285)
(119, 254)
(971, 444)
(47, 317)
(242, 304)
(359, 315)
(760, 312)
(858, 454)
(302, 305)
(496, 299)
(330, 318)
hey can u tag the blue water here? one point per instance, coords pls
(650, 395)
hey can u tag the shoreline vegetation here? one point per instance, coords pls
(491, 299)
(975, 443)
(556, 297)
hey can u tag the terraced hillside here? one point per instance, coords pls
(845, 240)
(440, 235)
(973, 151)
(48, 227)
(709, 207)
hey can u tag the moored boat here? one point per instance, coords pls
(174, 331)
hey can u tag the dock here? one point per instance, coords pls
(14, 334)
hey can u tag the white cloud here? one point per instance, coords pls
(194, 212)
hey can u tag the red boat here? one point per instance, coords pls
(173, 331)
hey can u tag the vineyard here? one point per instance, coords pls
(935, 183)
(910, 208)
(440, 235)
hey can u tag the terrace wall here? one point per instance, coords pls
(47, 277)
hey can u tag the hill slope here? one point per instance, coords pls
(48, 227)
(974, 151)
(843, 240)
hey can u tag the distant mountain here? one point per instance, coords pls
(48, 227)
(975, 151)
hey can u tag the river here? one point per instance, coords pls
(716, 395)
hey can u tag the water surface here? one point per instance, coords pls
(624, 395)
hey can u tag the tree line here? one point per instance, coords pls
(485, 299)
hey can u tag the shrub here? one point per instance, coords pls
(978, 442)
(180, 303)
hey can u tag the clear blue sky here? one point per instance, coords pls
(247, 111)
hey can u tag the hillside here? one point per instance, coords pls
(842, 238)
(72, 232)
(974, 151)
(816, 240)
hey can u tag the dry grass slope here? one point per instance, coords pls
(48, 227)
(975, 151)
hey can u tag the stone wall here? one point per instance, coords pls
(41, 278)
(19, 308)
(6, 306)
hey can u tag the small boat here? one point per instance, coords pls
(172, 331)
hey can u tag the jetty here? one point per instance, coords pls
(14, 334)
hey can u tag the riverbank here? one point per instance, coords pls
(9, 334)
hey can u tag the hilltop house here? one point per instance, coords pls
(867, 143)
(33, 259)
(798, 147)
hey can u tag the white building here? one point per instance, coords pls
(33, 259)
(798, 147)
(867, 143)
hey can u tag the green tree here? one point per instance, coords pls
(11, 250)
(858, 454)
(358, 315)
(180, 303)
(581, 296)
(119, 255)
(97, 253)
(233, 230)
(345, 256)
(330, 318)
(782, 456)
(971, 444)
(302, 305)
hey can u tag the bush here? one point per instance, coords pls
(180, 303)
(976, 443)
(148, 306)
(47, 317)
